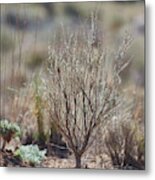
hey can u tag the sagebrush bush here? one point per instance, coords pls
(83, 85)
(124, 144)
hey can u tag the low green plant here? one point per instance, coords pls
(8, 130)
(30, 154)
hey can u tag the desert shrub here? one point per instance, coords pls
(31, 154)
(8, 130)
(83, 87)
(125, 145)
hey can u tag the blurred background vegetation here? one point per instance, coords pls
(27, 30)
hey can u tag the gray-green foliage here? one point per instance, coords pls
(31, 154)
(7, 127)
